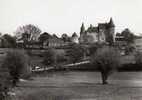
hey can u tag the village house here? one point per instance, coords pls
(75, 38)
(138, 44)
(53, 42)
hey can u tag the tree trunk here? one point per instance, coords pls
(104, 78)
(14, 83)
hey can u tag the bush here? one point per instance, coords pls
(93, 48)
(75, 53)
(49, 57)
(138, 58)
(106, 59)
(61, 58)
(17, 64)
(4, 84)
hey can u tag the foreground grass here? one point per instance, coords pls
(39, 94)
(81, 86)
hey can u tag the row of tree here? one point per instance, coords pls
(127, 35)
(30, 33)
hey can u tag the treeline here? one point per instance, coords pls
(31, 35)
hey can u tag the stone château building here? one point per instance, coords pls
(104, 32)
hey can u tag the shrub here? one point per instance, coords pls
(49, 57)
(4, 84)
(16, 62)
(106, 59)
(138, 58)
(75, 53)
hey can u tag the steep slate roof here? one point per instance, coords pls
(106, 25)
(92, 29)
(74, 35)
(111, 23)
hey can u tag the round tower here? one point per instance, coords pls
(111, 30)
(82, 33)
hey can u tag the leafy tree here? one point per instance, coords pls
(8, 41)
(49, 57)
(138, 58)
(4, 83)
(118, 34)
(54, 58)
(16, 62)
(28, 32)
(65, 37)
(128, 36)
(75, 53)
(106, 59)
(93, 48)
(61, 58)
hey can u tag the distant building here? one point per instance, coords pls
(75, 38)
(120, 40)
(53, 42)
(104, 32)
(33, 44)
(138, 44)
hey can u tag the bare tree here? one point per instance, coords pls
(28, 32)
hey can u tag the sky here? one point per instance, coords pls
(66, 16)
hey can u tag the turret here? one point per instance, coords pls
(111, 24)
(82, 29)
(111, 31)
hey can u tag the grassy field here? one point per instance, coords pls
(81, 86)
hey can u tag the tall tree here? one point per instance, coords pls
(65, 37)
(16, 62)
(28, 32)
(49, 57)
(106, 59)
(8, 41)
(128, 35)
(75, 53)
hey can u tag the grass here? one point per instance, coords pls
(41, 94)
(81, 86)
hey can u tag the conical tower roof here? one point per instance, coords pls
(74, 35)
(82, 29)
(111, 23)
